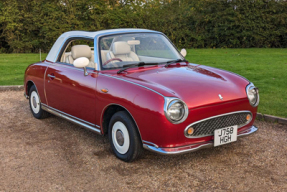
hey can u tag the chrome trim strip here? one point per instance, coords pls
(69, 115)
(185, 130)
(150, 143)
(194, 147)
(104, 109)
(132, 83)
(26, 96)
(72, 67)
(71, 119)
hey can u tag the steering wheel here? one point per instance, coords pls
(113, 59)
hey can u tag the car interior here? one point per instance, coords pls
(120, 49)
(115, 52)
(76, 49)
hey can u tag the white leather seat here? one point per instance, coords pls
(122, 50)
(81, 51)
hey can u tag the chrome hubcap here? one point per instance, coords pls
(120, 137)
(34, 102)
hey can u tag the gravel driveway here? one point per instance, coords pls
(56, 155)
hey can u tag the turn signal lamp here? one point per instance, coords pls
(248, 117)
(190, 131)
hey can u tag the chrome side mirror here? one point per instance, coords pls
(82, 62)
(183, 52)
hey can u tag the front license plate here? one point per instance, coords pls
(225, 135)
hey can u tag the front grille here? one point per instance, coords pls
(207, 126)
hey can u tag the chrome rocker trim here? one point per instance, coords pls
(94, 128)
(193, 147)
(26, 96)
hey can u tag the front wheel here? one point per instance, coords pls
(35, 104)
(124, 137)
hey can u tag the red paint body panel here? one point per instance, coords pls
(141, 91)
(71, 92)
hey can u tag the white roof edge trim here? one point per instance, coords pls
(53, 53)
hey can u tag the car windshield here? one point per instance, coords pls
(119, 51)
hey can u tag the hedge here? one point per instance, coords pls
(28, 25)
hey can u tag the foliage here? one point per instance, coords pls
(28, 25)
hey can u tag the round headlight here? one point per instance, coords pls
(176, 110)
(252, 94)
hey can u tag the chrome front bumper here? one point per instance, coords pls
(193, 147)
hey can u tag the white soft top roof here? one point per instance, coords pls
(53, 54)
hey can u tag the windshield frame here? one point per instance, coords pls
(100, 65)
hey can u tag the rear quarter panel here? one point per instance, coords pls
(35, 73)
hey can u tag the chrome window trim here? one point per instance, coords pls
(167, 101)
(251, 86)
(97, 44)
(90, 70)
(78, 121)
(60, 42)
(132, 83)
(190, 125)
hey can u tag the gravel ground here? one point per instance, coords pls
(56, 155)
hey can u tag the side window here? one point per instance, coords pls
(105, 45)
(76, 48)
(153, 47)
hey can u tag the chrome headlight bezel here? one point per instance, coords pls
(169, 101)
(248, 89)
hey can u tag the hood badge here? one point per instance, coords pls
(220, 97)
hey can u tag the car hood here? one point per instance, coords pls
(196, 85)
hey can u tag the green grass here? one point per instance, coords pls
(266, 68)
(13, 66)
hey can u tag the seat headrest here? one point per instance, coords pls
(121, 48)
(81, 51)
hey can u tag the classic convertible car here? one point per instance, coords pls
(134, 86)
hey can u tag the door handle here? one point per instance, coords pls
(51, 76)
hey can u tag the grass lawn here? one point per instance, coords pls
(13, 66)
(266, 68)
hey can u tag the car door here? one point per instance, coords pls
(70, 92)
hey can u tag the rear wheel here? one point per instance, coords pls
(124, 137)
(35, 104)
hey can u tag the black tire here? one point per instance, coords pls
(36, 109)
(135, 145)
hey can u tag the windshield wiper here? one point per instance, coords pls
(175, 61)
(135, 65)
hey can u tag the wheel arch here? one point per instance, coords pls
(29, 84)
(107, 113)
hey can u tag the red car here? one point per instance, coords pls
(134, 86)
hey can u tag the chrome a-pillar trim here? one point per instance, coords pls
(193, 147)
(94, 128)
